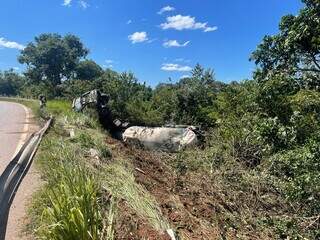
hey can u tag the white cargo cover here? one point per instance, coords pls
(160, 138)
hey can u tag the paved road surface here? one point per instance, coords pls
(16, 124)
(13, 129)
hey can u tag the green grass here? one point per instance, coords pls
(57, 107)
(73, 210)
(119, 180)
(71, 204)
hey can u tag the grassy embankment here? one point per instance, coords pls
(82, 185)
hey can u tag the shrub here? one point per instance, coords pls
(299, 174)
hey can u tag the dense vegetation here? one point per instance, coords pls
(267, 129)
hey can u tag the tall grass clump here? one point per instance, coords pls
(70, 207)
(121, 183)
(73, 211)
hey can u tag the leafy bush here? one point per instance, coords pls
(275, 135)
(272, 96)
(31, 90)
(299, 173)
(143, 113)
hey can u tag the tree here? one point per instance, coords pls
(74, 88)
(195, 97)
(123, 89)
(11, 83)
(164, 100)
(52, 57)
(88, 70)
(295, 50)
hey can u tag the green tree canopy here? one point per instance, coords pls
(196, 96)
(88, 70)
(52, 57)
(295, 50)
(10, 83)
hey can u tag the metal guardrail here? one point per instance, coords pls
(14, 174)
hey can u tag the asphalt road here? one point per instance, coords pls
(13, 131)
(16, 124)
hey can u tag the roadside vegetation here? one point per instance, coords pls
(256, 176)
(83, 182)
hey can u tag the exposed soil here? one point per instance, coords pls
(130, 227)
(194, 204)
(187, 207)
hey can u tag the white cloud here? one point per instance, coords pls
(166, 9)
(138, 37)
(211, 29)
(67, 3)
(109, 61)
(180, 22)
(129, 21)
(7, 44)
(83, 4)
(175, 43)
(171, 67)
(184, 76)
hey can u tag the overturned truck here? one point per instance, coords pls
(168, 138)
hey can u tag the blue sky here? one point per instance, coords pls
(153, 39)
